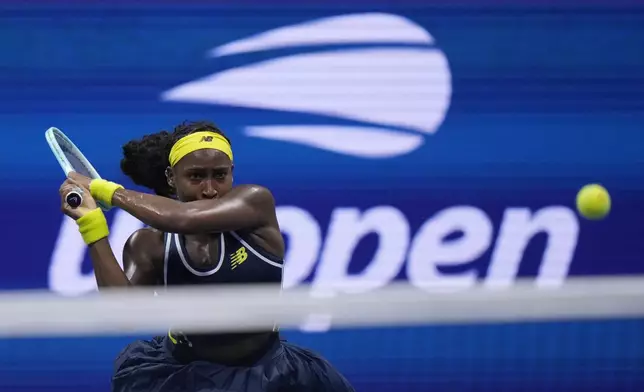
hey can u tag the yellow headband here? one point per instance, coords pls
(199, 141)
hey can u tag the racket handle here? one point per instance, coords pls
(74, 199)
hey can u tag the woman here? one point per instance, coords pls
(202, 231)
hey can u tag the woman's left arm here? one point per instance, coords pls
(244, 207)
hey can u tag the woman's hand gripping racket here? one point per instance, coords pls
(76, 209)
(71, 159)
(74, 198)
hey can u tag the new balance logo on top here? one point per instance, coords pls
(238, 257)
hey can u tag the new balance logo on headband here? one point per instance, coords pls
(206, 139)
(383, 98)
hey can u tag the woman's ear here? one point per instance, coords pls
(169, 176)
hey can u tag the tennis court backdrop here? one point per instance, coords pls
(436, 142)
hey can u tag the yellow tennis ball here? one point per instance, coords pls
(593, 202)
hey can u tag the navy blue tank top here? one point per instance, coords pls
(240, 261)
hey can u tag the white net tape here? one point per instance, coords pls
(198, 309)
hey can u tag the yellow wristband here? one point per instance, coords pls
(93, 226)
(103, 191)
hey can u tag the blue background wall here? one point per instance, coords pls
(544, 99)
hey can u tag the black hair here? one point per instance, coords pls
(145, 160)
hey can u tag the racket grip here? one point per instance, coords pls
(74, 199)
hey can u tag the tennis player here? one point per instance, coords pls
(203, 231)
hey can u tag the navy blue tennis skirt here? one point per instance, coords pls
(149, 365)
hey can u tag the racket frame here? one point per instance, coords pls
(52, 135)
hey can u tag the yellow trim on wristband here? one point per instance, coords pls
(103, 191)
(93, 226)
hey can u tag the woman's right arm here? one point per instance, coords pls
(106, 269)
(143, 254)
(143, 258)
(142, 261)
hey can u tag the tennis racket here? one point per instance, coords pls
(70, 158)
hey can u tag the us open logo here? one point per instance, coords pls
(380, 76)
